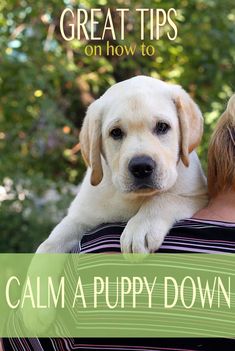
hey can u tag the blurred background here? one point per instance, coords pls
(46, 84)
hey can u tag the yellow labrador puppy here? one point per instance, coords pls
(138, 141)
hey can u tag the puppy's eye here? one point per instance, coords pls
(161, 128)
(116, 133)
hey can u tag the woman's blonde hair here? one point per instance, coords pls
(221, 153)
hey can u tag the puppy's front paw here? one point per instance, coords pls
(36, 313)
(38, 296)
(143, 236)
(37, 321)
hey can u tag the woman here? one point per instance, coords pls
(221, 169)
(211, 230)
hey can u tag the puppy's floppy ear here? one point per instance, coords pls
(90, 139)
(191, 123)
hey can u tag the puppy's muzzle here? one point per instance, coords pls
(142, 168)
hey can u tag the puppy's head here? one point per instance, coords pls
(141, 128)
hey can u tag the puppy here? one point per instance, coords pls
(138, 141)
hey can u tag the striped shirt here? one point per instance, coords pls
(188, 236)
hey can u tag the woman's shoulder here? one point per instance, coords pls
(200, 236)
(204, 223)
(187, 236)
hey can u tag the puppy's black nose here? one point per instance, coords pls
(141, 166)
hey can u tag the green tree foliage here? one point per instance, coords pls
(46, 84)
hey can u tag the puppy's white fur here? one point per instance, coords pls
(108, 192)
